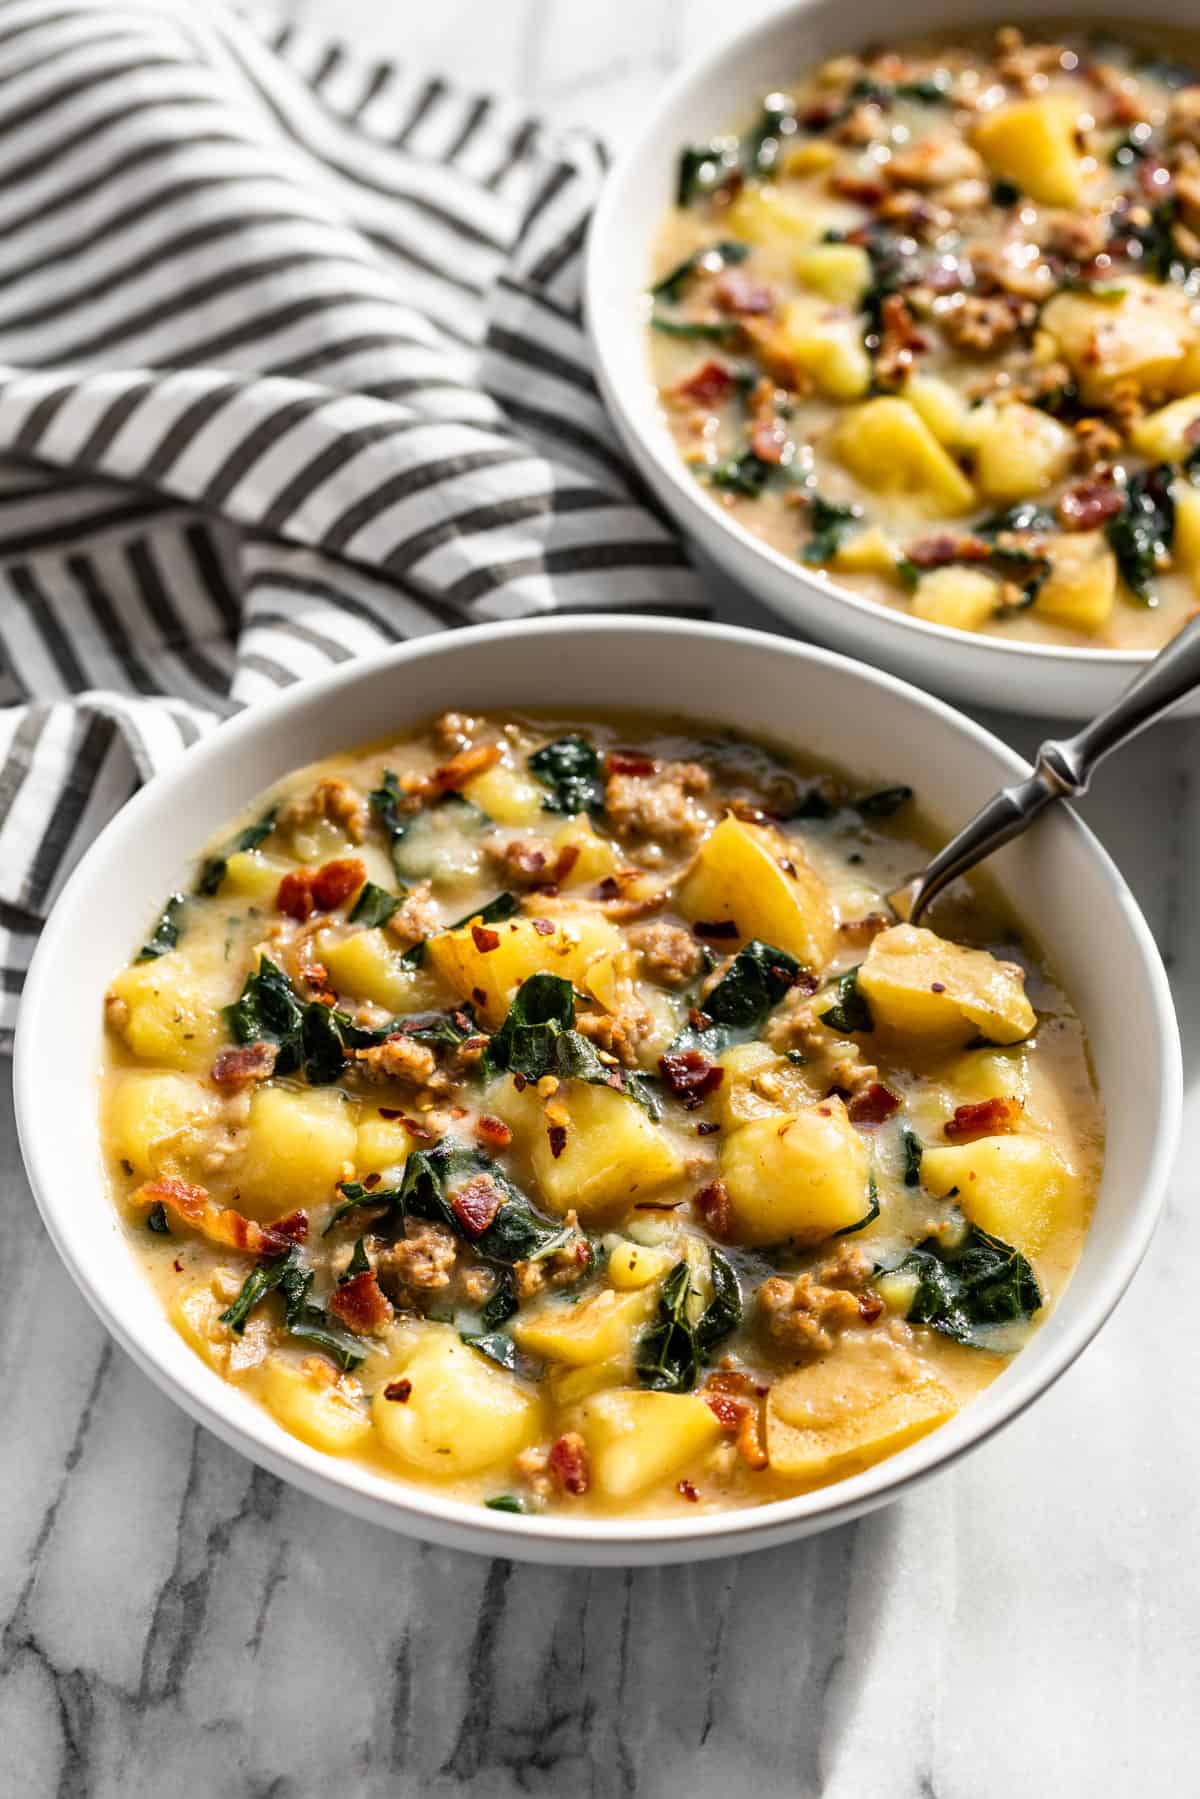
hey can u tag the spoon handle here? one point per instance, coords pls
(1064, 766)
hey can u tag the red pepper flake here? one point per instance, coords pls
(806, 981)
(476, 1204)
(334, 882)
(873, 1105)
(420, 1131)
(989, 1118)
(177, 1265)
(627, 762)
(399, 1390)
(242, 1067)
(717, 928)
(706, 1128)
(564, 862)
(294, 898)
(937, 987)
(712, 1203)
(390, 1112)
(569, 1466)
(493, 1130)
(690, 1076)
(479, 996)
(787, 865)
(544, 927)
(519, 1082)
(686, 1490)
(709, 385)
(557, 1134)
(869, 1307)
(486, 939)
(607, 889)
(372, 1180)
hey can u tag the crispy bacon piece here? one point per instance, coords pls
(686, 1490)
(873, 1104)
(492, 1130)
(628, 762)
(242, 1067)
(740, 293)
(712, 1203)
(727, 1410)
(769, 439)
(476, 1204)
(946, 547)
(398, 1390)
(569, 1465)
(866, 189)
(690, 1076)
(708, 386)
(750, 1445)
(870, 1305)
(362, 1305)
(459, 770)
(717, 928)
(335, 881)
(989, 1118)
(222, 1224)
(564, 862)
(1090, 504)
(294, 898)
(485, 938)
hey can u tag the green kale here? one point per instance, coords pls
(913, 1153)
(1005, 194)
(307, 1322)
(373, 907)
(967, 1291)
(570, 768)
(1133, 147)
(671, 1353)
(762, 144)
(829, 523)
(538, 1037)
(850, 1010)
(884, 803)
(1142, 532)
(705, 168)
(709, 331)
(497, 1346)
(868, 1217)
(156, 1220)
(707, 261)
(745, 473)
(212, 869)
(385, 802)
(505, 1502)
(165, 934)
(753, 985)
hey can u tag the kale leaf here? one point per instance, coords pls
(165, 934)
(497, 1346)
(1142, 532)
(157, 1221)
(432, 1177)
(707, 261)
(829, 522)
(670, 1355)
(538, 1037)
(913, 1153)
(709, 331)
(373, 907)
(746, 473)
(570, 768)
(753, 985)
(966, 1291)
(868, 1217)
(213, 868)
(704, 168)
(385, 802)
(303, 1320)
(850, 1010)
(884, 803)
(505, 1502)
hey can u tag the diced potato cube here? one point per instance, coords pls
(637, 1439)
(462, 1413)
(634, 1265)
(173, 1016)
(801, 1175)
(298, 1144)
(249, 874)
(613, 1154)
(1035, 144)
(758, 1083)
(920, 986)
(964, 598)
(1187, 530)
(508, 795)
(869, 552)
(942, 407)
(1016, 1187)
(1081, 588)
(1142, 337)
(980, 1074)
(774, 220)
(196, 1315)
(369, 965)
(898, 1290)
(809, 158)
(490, 976)
(596, 859)
(842, 272)
(569, 1385)
(148, 1113)
(381, 1145)
(329, 1414)
(825, 343)
(851, 1409)
(756, 878)
(1168, 435)
(601, 1329)
(887, 444)
(1019, 451)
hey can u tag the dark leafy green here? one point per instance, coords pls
(165, 934)
(708, 261)
(1142, 532)
(704, 168)
(570, 768)
(503, 1303)
(829, 523)
(965, 1292)
(745, 472)
(303, 1320)
(358, 1264)
(670, 1354)
(1133, 147)
(385, 802)
(913, 1153)
(373, 907)
(156, 1220)
(1163, 257)
(505, 1502)
(1026, 515)
(884, 803)
(753, 985)
(431, 1178)
(868, 1217)
(538, 1037)
(1005, 193)
(497, 1346)
(850, 1010)
(762, 144)
(709, 331)
(212, 869)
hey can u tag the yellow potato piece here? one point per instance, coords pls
(921, 986)
(490, 977)
(297, 1145)
(1019, 451)
(759, 1083)
(329, 1415)
(613, 1155)
(634, 1265)
(148, 1113)
(759, 880)
(1017, 1187)
(851, 1409)
(368, 965)
(196, 1315)
(508, 795)
(1142, 337)
(771, 219)
(841, 272)
(597, 858)
(801, 1175)
(1034, 143)
(381, 1145)
(1168, 435)
(173, 1015)
(249, 874)
(637, 1439)
(942, 408)
(462, 1413)
(1081, 588)
(825, 343)
(887, 444)
(964, 598)
(601, 1329)
(1187, 530)
(869, 552)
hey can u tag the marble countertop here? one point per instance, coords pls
(175, 1622)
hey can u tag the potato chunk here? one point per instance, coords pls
(765, 216)
(196, 1315)
(1034, 143)
(296, 1146)
(595, 857)
(367, 965)
(942, 407)
(148, 1113)
(249, 874)
(759, 1083)
(613, 1154)
(167, 1013)
(887, 444)
(508, 795)
(1187, 530)
(1016, 1187)
(801, 1175)
(759, 880)
(1166, 435)
(964, 598)
(461, 1413)
(329, 1414)
(381, 1145)
(1142, 337)
(841, 272)
(851, 1409)
(489, 974)
(923, 987)
(1019, 451)
(825, 343)
(634, 1265)
(1081, 588)
(599, 1330)
(637, 1439)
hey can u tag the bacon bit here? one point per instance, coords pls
(627, 762)
(316, 976)
(569, 1465)
(491, 1129)
(946, 547)
(476, 1204)
(390, 1112)
(717, 929)
(706, 1128)
(242, 1067)
(362, 1305)
(399, 1390)
(544, 927)
(869, 1307)
(686, 1490)
(557, 1134)
(421, 1132)
(732, 1380)
(739, 293)
(479, 996)
(1090, 504)
(728, 1411)
(866, 189)
(990, 1118)
(699, 1021)
(564, 862)
(294, 898)
(901, 342)
(177, 1265)
(709, 385)
(334, 882)
(608, 889)
(750, 1445)
(372, 1180)
(485, 938)
(459, 770)
(873, 1104)
(690, 1076)
(222, 1224)
(712, 1203)
(769, 439)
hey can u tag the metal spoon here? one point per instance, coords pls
(1063, 770)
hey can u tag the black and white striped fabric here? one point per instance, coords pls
(290, 368)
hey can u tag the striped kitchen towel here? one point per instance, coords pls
(291, 368)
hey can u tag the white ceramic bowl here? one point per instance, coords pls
(1062, 881)
(699, 104)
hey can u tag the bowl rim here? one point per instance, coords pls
(606, 323)
(422, 1511)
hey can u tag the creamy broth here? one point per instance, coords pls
(929, 323)
(423, 1132)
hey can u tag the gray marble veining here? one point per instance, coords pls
(173, 1622)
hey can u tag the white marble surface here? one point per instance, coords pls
(173, 1622)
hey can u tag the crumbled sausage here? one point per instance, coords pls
(401, 1058)
(416, 917)
(454, 731)
(900, 343)
(669, 954)
(331, 799)
(523, 861)
(936, 161)
(243, 1067)
(973, 322)
(659, 806)
(804, 1317)
(619, 1034)
(1183, 117)
(423, 1260)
